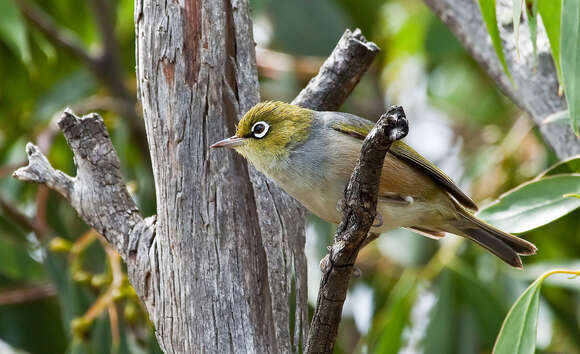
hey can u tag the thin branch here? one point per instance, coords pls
(534, 87)
(26, 222)
(338, 75)
(359, 213)
(29, 293)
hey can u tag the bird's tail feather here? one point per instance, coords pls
(505, 246)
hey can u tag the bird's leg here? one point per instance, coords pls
(356, 272)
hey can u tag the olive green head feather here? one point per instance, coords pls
(270, 129)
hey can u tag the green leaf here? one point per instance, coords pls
(442, 317)
(490, 19)
(550, 11)
(518, 331)
(533, 204)
(532, 14)
(386, 334)
(568, 166)
(570, 42)
(482, 301)
(517, 14)
(13, 30)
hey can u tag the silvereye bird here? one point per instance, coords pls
(312, 154)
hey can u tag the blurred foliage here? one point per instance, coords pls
(59, 282)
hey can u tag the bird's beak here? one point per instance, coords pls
(229, 142)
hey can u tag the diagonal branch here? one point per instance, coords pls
(337, 77)
(359, 212)
(535, 87)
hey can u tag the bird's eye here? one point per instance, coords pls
(260, 129)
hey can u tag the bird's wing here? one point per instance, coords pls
(359, 128)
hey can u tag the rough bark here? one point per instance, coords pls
(359, 211)
(196, 75)
(535, 88)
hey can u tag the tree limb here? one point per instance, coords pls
(535, 87)
(359, 213)
(98, 192)
(337, 77)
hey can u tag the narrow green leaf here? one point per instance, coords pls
(386, 335)
(550, 11)
(533, 204)
(532, 16)
(490, 19)
(442, 316)
(517, 14)
(518, 331)
(568, 166)
(570, 42)
(13, 30)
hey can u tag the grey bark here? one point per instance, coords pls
(536, 88)
(215, 266)
(359, 211)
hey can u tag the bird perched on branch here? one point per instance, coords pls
(312, 154)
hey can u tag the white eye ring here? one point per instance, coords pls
(262, 133)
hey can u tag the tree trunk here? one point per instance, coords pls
(211, 290)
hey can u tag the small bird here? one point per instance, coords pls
(312, 154)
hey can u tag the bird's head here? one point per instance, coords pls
(268, 132)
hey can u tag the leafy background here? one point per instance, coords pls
(63, 290)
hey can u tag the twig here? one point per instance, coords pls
(359, 212)
(29, 293)
(338, 75)
(28, 223)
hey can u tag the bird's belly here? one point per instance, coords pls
(322, 200)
